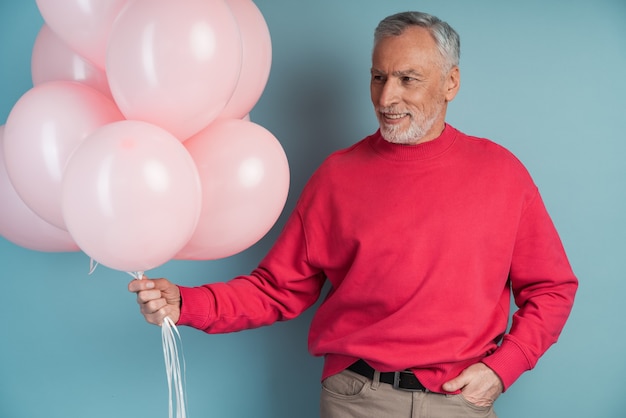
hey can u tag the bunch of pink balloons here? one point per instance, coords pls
(134, 144)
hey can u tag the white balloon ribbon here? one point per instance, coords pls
(174, 363)
(175, 373)
(92, 266)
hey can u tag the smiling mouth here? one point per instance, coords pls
(392, 117)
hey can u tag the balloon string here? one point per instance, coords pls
(170, 338)
(136, 274)
(175, 375)
(92, 266)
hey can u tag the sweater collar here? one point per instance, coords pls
(425, 150)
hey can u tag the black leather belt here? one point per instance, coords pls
(404, 380)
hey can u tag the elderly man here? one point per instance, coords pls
(423, 233)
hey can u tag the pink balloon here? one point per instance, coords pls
(131, 196)
(174, 63)
(52, 60)
(256, 59)
(245, 181)
(85, 25)
(44, 127)
(20, 225)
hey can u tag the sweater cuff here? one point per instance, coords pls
(508, 361)
(196, 308)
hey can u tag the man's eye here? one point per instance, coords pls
(378, 78)
(408, 80)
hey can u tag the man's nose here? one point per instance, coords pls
(389, 94)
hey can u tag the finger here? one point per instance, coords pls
(153, 306)
(144, 296)
(451, 386)
(158, 316)
(162, 284)
(455, 384)
(139, 285)
(155, 318)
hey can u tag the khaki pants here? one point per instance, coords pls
(350, 395)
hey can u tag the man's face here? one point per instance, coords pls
(409, 89)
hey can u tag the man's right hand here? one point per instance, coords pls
(157, 298)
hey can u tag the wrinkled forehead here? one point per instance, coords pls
(414, 48)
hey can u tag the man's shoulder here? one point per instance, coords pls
(342, 156)
(487, 148)
(492, 158)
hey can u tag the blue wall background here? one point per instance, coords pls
(545, 79)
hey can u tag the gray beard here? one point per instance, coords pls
(418, 128)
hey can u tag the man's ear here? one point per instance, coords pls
(452, 83)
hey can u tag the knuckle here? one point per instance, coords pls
(151, 306)
(143, 296)
(153, 318)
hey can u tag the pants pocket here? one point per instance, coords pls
(472, 410)
(345, 385)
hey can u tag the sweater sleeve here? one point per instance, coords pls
(544, 287)
(280, 288)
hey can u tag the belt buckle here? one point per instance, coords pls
(396, 382)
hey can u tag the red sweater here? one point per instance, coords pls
(422, 245)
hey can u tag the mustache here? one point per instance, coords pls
(393, 110)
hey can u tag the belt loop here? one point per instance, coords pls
(376, 380)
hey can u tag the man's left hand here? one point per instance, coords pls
(478, 384)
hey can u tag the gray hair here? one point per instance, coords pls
(446, 38)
